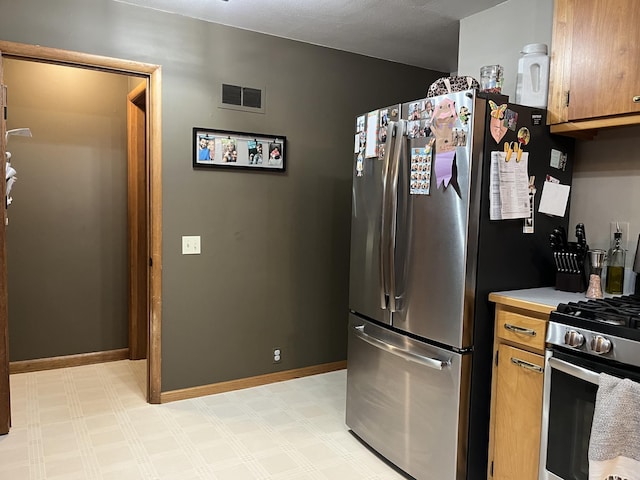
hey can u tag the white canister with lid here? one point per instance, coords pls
(532, 85)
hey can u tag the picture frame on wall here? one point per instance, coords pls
(242, 151)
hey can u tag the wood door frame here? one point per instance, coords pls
(137, 219)
(152, 73)
(5, 403)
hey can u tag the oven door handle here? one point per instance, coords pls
(575, 371)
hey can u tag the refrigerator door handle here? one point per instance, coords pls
(384, 229)
(394, 170)
(399, 352)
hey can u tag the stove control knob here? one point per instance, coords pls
(600, 345)
(573, 339)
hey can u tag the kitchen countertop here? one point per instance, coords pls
(542, 300)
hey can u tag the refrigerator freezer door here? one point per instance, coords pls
(404, 399)
(367, 282)
(432, 246)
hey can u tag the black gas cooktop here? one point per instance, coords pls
(615, 315)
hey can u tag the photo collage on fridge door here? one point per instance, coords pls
(419, 125)
(419, 118)
(371, 137)
(420, 170)
(446, 126)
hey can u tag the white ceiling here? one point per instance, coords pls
(415, 32)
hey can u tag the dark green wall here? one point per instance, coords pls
(67, 238)
(275, 248)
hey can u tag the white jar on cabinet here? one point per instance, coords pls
(532, 85)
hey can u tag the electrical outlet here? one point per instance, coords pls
(624, 228)
(277, 355)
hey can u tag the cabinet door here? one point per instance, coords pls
(518, 414)
(605, 48)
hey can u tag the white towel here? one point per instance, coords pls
(614, 446)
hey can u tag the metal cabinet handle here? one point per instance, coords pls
(524, 331)
(636, 99)
(529, 366)
(412, 357)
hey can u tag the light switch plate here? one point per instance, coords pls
(191, 245)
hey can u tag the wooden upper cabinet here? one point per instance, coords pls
(595, 64)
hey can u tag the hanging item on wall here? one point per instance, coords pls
(10, 172)
(238, 150)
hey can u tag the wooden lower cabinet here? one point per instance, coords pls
(518, 414)
(516, 388)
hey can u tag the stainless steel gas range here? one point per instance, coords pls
(584, 339)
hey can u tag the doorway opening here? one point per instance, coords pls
(143, 211)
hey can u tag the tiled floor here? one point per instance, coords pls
(92, 422)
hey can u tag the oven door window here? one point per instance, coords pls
(570, 415)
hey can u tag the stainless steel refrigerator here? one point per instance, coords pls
(424, 257)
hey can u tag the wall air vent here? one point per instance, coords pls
(246, 99)
(252, 97)
(231, 94)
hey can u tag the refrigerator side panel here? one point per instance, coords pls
(365, 280)
(408, 411)
(508, 258)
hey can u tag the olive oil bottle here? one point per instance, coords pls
(615, 268)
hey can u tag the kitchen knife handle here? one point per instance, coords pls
(516, 329)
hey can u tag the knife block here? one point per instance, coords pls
(570, 282)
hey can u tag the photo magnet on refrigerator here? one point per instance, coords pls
(443, 122)
(420, 171)
(528, 226)
(511, 119)
(558, 159)
(496, 125)
(464, 114)
(359, 164)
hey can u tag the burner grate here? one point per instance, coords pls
(620, 311)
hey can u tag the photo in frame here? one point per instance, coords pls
(238, 150)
